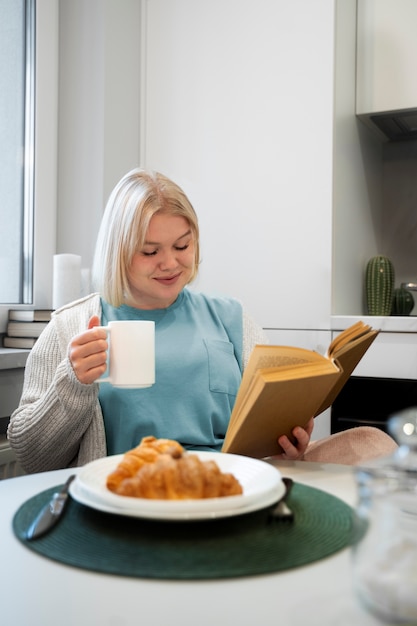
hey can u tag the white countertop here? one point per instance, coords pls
(37, 590)
(392, 323)
(12, 358)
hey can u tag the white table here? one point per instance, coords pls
(40, 592)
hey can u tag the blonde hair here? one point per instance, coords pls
(136, 198)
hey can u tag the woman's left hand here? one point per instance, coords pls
(295, 451)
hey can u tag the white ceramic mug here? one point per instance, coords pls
(131, 355)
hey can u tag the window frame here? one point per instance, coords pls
(45, 159)
(27, 294)
(18, 103)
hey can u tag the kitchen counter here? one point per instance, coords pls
(389, 324)
(394, 352)
(12, 358)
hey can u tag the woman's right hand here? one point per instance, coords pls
(88, 352)
(295, 451)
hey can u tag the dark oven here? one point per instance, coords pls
(367, 401)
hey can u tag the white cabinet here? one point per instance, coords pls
(392, 355)
(387, 55)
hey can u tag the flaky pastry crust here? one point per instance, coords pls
(162, 469)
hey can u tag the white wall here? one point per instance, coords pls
(239, 110)
(357, 190)
(99, 115)
(250, 106)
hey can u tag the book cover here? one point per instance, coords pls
(30, 315)
(284, 386)
(25, 329)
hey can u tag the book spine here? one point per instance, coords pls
(25, 329)
(379, 279)
(29, 315)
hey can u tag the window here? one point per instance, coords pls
(17, 109)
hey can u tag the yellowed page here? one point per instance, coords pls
(283, 357)
(347, 358)
(347, 336)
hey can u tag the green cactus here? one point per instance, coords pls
(379, 280)
(402, 301)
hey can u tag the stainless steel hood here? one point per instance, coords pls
(396, 125)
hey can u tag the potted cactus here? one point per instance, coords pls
(402, 301)
(379, 280)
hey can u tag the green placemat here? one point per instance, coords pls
(238, 546)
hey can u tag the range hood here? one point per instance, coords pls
(396, 125)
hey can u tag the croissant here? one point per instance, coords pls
(147, 451)
(181, 478)
(160, 469)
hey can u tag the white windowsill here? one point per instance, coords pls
(12, 358)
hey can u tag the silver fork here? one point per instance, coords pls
(281, 510)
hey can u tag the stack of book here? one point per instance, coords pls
(25, 326)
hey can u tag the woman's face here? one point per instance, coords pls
(162, 268)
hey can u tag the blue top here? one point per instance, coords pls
(198, 370)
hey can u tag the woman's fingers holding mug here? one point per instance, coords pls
(88, 354)
(90, 368)
(94, 321)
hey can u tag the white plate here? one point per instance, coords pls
(262, 486)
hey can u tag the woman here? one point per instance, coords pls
(147, 253)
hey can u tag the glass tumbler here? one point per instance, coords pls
(384, 555)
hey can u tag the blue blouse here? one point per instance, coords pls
(198, 370)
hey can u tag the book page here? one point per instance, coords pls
(346, 337)
(348, 356)
(283, 357)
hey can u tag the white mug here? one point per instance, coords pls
(131, 355)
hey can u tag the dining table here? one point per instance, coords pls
(40, 591)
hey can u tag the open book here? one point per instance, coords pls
(284, 386)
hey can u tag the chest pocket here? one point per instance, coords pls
(223, 368)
